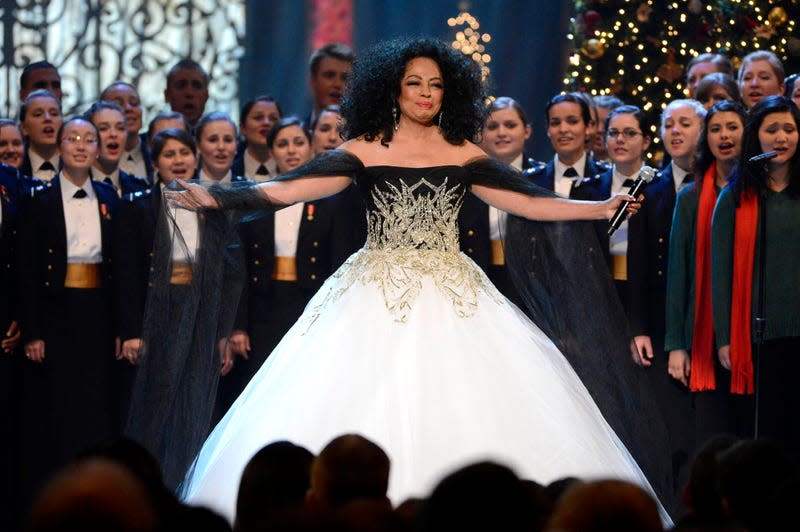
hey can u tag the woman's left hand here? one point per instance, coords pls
(613, 203)
(193, 197)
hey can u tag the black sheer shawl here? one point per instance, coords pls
(185, 327)
(560, 270)
(561, 273)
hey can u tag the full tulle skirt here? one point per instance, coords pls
(439, 385)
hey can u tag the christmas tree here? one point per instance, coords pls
(638, 50)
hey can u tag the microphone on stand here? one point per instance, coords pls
(646, 175)
(762, 157)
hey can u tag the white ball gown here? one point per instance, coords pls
(411, 346)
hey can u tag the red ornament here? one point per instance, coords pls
(591, 18)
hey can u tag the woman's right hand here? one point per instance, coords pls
(614, 202)
(193, 197)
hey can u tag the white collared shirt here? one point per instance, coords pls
(618, 241)
(185, 228)
(82, 220)
(37, 161)
(207, 179)
(98, 175)
(563, 185)
(132, 161)
(251, 165)
(678, 175)
(287, 229)
(497, 218)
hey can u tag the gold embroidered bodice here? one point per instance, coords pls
(412, 220)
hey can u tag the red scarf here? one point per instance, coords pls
(702, 376)
(744, 248)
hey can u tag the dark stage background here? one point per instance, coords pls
(527, 47)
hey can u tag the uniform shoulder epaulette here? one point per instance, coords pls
(103, 184)
(535, 168)
(604, 166)
(40, 188)
(133, 196)
(589, 179)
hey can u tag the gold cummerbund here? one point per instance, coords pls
(82, 275)
(620, 267)
(181, 274)
(285, 269)
(498, 255)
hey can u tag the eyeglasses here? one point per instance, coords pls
(77, 139)
(627, 133)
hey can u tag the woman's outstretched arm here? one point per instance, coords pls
(550, 209)
(275, 193)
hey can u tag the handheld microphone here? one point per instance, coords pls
(762, 157)
(646, 175)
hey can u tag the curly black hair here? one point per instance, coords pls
(374, 87)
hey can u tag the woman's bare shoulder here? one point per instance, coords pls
(368, 151)
(469, 151)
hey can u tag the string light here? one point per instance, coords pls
(470, 41)
(639, 49)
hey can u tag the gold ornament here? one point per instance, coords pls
(593, 49)
(777, 16)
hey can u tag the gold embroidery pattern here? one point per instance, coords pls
(413, 233)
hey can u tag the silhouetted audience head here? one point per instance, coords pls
(274, 483)
(141, 462)
(93, 495)
(201, 519)
(481, 496)
(754, 478)
(406, 513)
(606, 505)
(365, 515)
(350, 467)
(701, 496)
(556, 489)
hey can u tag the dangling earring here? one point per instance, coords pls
(440, 120)
(395, 117)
